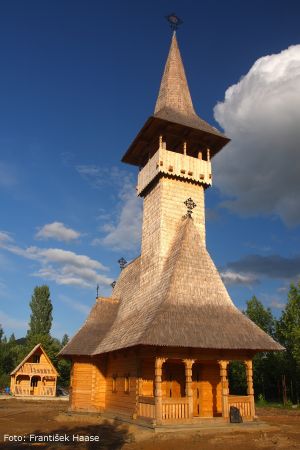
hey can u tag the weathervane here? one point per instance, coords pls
(122, 263)
(190, 204)
(174, 21)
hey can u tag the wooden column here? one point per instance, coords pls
(158, 391)
(188, 363)
(250, 390)
(225, 389)
(139, 384)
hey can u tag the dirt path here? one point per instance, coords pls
(25, 418)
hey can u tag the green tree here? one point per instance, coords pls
(12, 338)
(261, 316)
(64, 340)
(41, 312)
(288, 330)
(266, 370)
(289, 324)
(237, 378)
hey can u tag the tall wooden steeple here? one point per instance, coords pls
(158, 349)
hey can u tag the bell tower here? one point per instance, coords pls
(173, 151)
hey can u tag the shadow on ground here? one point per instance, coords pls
(112, 436)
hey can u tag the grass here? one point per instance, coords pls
(263, 403)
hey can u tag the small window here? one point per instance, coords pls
(126, 383)
(114, 383)
(36, 359)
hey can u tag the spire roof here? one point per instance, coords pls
(174, 91)
(174, 117)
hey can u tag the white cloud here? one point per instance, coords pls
(62, 266)
(260, 167)
(59, 256)
(230, 277)
(58, 231)
(125, 232)
(276, 304)
(12, 322)
(5, 237)
(121, 232)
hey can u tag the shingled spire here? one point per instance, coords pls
(174, 91)
(174, 117)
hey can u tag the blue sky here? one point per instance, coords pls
(77, 81)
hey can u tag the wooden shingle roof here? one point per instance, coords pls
(174, 117)
(187, 305)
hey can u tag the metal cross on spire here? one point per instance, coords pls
(122, 263)
(190, 204)
(97, 290)
(174, 21)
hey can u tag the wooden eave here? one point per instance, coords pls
(146, 142)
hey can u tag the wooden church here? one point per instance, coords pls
(35, 376)
(157, 350)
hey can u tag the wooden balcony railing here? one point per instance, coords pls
(43, 391)
(175, 408)
(243, 403)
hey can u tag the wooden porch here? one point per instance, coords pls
(172, 404)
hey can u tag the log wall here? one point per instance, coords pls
(88, 384)
(122, 365)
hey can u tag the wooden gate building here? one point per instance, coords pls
(158, 349)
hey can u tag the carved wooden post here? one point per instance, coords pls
(188, 384)
(208, 154)
(158, 391)
(225, 390)
(139, 385)
(250, 390)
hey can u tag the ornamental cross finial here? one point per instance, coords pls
(174, 21)
(190, 204)
(97, 290)
(122, 263)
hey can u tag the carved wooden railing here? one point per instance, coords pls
(146, 407)
(175, 408)
(23, 390)
(45, 391)
(38, 369)
(243, 403)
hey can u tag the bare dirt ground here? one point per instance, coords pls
(280, 431)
